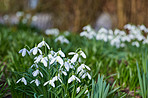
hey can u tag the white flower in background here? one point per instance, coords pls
(44, 61)
(35, 50)
(23, 51)
(36, 72)
(72, 78)
(78, 89)
(66, 33)
(53, 31)
(22, 80)
(57, 59)
(19, 14)
(36, 81)
(81, 67)
(62, 39)
(103, 30)
(43, 43)
(75, 57)
(135, 44)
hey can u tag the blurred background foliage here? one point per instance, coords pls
(74, 14)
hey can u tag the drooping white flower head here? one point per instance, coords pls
(51, 82)
(81, 67)
(76, 55)
(38, 58)
(86, 74)
(43, 43)
(36, 81)
(72, 78)
(22, 80)
(35, 50)
(36, 72)
(57, 59)
(44, 61)
(23, 51)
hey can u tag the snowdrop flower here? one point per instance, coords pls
(62, 39)
(43, 43)
(22, 80)
(34, 65)
(38, 58)
(35, 50)
(51, 82)
(72, 78)
(86, 74)
(83, 66)
(23, 51)
(135, 44)
(36, 72)
(68, 65)
(78, 89)
(44, 61)
(87, 28)
(57, 59)
(37, 82)
(75, 57)
(60, 53)
(53, 31)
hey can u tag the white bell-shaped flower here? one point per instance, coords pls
(81, 67)
(86, 74)
(57, 59)
(38, 58)
(44, 61)
(36, 72)
(35, 50)
(36, 81)
(43, 43)
(23, 51)
(22, 80)
(51, 82)
(72, 78)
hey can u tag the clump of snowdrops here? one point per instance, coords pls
(53, 74)
(131, 34)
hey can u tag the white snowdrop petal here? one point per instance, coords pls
(74, 58)
(64, 73)
(24, 80)
(46, 83)
(32, 81)
(21, 51)
(35, 73)
(89, 76)
(78, 90)
(24, 52)
(52, 61)
(61, 53)
(41, 74)
(71, 53)
(70, 79)
(59, 60)
(40, 51)
(37, 82)
(47, 45)
(35, 50)
(19, 80)
(82, 54)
